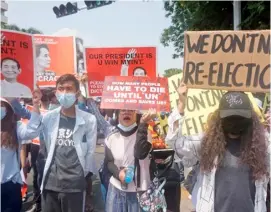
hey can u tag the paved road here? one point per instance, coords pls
(186, 205)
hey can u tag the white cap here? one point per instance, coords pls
(259, 103)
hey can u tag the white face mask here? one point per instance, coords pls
(127, 129)
(66, 100)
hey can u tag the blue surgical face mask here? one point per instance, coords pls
(66, 100)
(127, 129)
(3, 112)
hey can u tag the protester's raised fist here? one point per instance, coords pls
(182, 91)
(37, 94)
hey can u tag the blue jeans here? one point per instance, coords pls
(121, 201)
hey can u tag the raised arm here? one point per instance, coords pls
(34, 126)
(186, 147)
(19, 109)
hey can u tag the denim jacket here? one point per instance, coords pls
(85, 135)
(188, 148)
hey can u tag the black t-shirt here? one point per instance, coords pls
(234, 187)
(66, 173)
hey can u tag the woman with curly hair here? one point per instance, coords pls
(12, 135)
(233, 155)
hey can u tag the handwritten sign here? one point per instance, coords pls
(228, 60)
(135, 93)
(266, 104)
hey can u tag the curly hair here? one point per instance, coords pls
(253, 146)
(8, 129)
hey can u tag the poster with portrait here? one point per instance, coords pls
(118, 61)
(54, 56)
(17, 66)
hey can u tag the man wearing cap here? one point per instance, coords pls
(233, 155)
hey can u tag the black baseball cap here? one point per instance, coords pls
(235, 103)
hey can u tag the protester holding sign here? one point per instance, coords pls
(234, 134)
(12, 135)
(119, 159)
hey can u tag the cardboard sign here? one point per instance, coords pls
(120, 61)
(200, 104)
(135, 93)
(173, 84)
(17, 67)
(54, 56)
(228, 60)
(266, 104)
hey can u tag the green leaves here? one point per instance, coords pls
(172, 71)
(14, 27)
(210, 15)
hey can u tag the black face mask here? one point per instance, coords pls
(236, 125)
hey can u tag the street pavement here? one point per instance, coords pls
(186, 205)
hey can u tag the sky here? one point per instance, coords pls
(123, 23)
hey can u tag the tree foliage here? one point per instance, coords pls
(210, 15)
(172, 71)
(14, 27)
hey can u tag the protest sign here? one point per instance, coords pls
(173, 84)
(122, 61)
(200, 103)
(135, 93)
(266, 104)
(54, 56)
(17, 66)
(228, 60)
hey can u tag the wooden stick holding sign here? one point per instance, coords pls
(228, 60)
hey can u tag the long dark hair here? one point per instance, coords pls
(8, 128)
(253, 144)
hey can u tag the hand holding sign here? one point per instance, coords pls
(150, 115)
(36, 99)
(182, 91)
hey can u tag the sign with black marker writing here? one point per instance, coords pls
(228, 60)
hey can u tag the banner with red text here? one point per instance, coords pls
(17, 66)
(118, 61)
(54, 56)
(135, 93)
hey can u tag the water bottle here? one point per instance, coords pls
(129, 176)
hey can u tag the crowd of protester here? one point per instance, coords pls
(230, 161)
